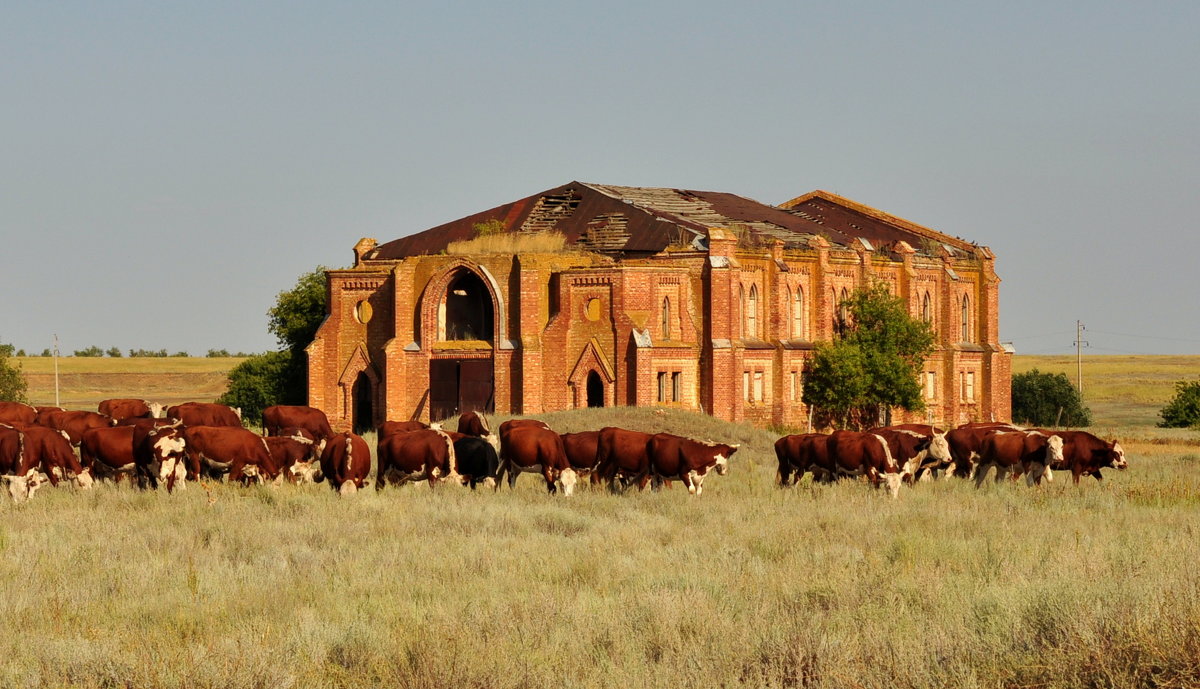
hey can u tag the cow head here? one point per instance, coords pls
(567, 480)
(347, 489)
(939, 449)
(1054, 450)
(893, 482)
(169, 451)
(156, 410)
(84, 479)
(304, 472)
(721, 458)
(21, 488)
(1116, 456)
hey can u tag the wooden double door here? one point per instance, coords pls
(460, 385)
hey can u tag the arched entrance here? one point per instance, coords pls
(461, 372)
(364, 404)
(595, 390)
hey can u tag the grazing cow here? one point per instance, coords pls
(801, 453)
(965, 442)
(865, 454)
(296, 453)
(477, 461)
(391, 427)
(205, 414)
(1028, 452)
(676, 457)
(1085, 455)
(279, 417)
(17, 412)
(346, 461)
(19, 466)
(917, 453)
(74, 423)
(582, 450)
(217, 450)
(475, 424)
(621, 454)
(121, 409)
(528, 448)
(54, 455)
(421, 455)
(160, 454)
(108, 452)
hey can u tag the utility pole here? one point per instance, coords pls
(56, 403)
(1080, 343)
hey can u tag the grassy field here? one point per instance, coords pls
(748, 586)
(1120, 390)
(85, 381)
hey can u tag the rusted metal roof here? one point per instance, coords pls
(646, 220)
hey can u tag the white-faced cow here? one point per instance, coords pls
(475, 424)
(242, 454)
(965, 443)
(205, 414)
(296, 453)
(19, 466)
(54, 454)
(529, 448)
(421, 455)
(159, 454)
(622, 455)
(675, 457)
(121, 409)
(582, 450)
(1085, 455)
(1017, 452)
(918, 454)
(865, 454)
(345, 462)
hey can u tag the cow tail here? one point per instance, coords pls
(487, 429)
(890, 462)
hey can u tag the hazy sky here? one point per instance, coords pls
(167, 168)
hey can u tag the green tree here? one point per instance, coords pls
(90, 351)
(114, 352)
(12, 382)
(874, 363)
(1047, 399)
(1183, 411)
(281, 377)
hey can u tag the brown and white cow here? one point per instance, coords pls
(159, 454)
(582, 450)
(622, 455)
(345, 462)
(19, 466)
(856, 453)
(1085, 455)
(421, 455)
(108, 452)
(279, 417)
(800, 453)
(74, 423)
(125, 408)
(54, 454)
(238, 452)
(1017, 452)
(675, 457)
(529, 448)
(17, 412)
(296, 453)
(475, 424)
(205, 414)
(965, 443)
(918, 454)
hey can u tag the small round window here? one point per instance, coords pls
(363, 311)
(592, 310)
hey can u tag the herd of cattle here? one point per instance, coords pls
(893, 455)
(131, 439)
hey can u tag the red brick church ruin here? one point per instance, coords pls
(596, 295)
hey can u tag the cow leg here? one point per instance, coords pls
(1098, 475)
(980, 473)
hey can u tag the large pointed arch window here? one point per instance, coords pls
(966, 318)
(752, 313)
(798, 314)
(926, 309)
(741, 311)
(666, 318)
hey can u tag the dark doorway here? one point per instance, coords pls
(595, 390)
(460, 385)
(468, 309)
(364, 404)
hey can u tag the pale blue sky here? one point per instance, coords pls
(167, 168)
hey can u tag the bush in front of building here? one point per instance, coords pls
(1047, 399)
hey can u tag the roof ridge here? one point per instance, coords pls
(915, 228)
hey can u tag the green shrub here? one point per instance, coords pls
(1047, 399)
(1183, 411)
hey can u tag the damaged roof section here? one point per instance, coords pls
(647, 220)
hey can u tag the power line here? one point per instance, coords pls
(1146, 337)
